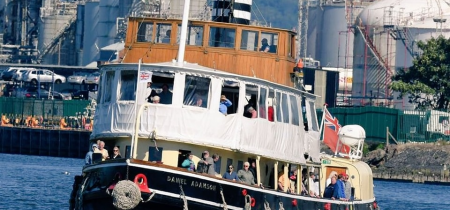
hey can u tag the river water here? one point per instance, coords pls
(35, 182)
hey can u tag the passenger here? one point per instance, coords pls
(329, 190)
(166, 39)
(155, 99)
(116, 153)
(206, 164)
(264, 46)
(189, 163)
(332, 174)
(270, 113)
(281, 181)
(199, 102)
(253, 112)
(293, 179)
(313, 191)
(28, 121)
(104, 151)
(252, 169)
(165, 96)
(251, 103)
(88, 158)
(245, 175)
(5, 121)
(230, 174)
(34, 122)
(224, 104)
(215, 158)
(339, 189)
(347, 188)
(150, 92)
(62, 124)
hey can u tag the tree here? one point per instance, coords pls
(427, 82)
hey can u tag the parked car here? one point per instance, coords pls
(81, 95)
(8, 74)
(18, 75)
(77, 78)
(68, 93)
(92, 78)
(43, 76)
(43, 94)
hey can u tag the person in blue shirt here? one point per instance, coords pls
(224, 104)
(230, 174)
(188, 163)
(88, 158)
(339, 193)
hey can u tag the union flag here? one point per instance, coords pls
(330, 132)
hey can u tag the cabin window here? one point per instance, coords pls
(108, 86)
(127, 85)
(262, 102)
(230, 162)
(251, 94)
(182, 156)
(155, 154)
(231, 91)
(163, 86)
(222, 37)
(291, 45)
(249, 40)
(294, 110)
(127, 151)
(240, 165)
(196, 91)
(163, 31)
(278, 107)
(269, 42)
(145, 32)
(194, 35)
(311, 113)
(270, 103)
(285, 107)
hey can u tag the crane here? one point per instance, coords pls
(302, 35)
(439, 20)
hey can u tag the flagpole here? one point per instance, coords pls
(135, 135)
(322, 120)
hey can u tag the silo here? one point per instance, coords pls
(90, 38)
(79, 31)
(108, 14)
(380, 46)
(49, 28)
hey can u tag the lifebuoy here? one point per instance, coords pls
(141, 181)
(253, 202)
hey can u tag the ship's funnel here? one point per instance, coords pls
(232, 11)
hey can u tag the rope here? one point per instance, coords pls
(225, 207)
(126, 195)
(183, 196)
(266, 205)
(248, 201)
(149, 198)
(281, 206)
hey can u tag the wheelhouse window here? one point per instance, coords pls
(196, 92)
(222, 37)
(231, 91)
(285, 107)
(269, 42)
(294, 110)
(127, 85)
(109, 84)
(312, 114)
(163, 32)
(291, 46)
(194, 35)
(163, 86)
(249, 40)
(262, 102)
(145, 32)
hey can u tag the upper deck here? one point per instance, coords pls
(233, 48)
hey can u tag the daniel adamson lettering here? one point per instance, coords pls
(197, 184)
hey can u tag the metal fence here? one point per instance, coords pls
(19, 107)
(405, 126)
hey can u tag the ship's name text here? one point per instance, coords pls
(196, 184)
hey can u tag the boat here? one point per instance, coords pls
(270, 123)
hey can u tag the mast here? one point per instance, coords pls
(183, 33)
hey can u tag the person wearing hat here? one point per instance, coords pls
(88, 158)
(264, 46)
(224, 104)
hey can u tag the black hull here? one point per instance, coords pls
(201, 191)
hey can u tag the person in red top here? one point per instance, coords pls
(270, 113)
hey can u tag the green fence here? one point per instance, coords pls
(417, 126)
(45, 108)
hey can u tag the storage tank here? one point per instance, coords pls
(79, 34)
(380, 46)
(108, 14)
(49, 28)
